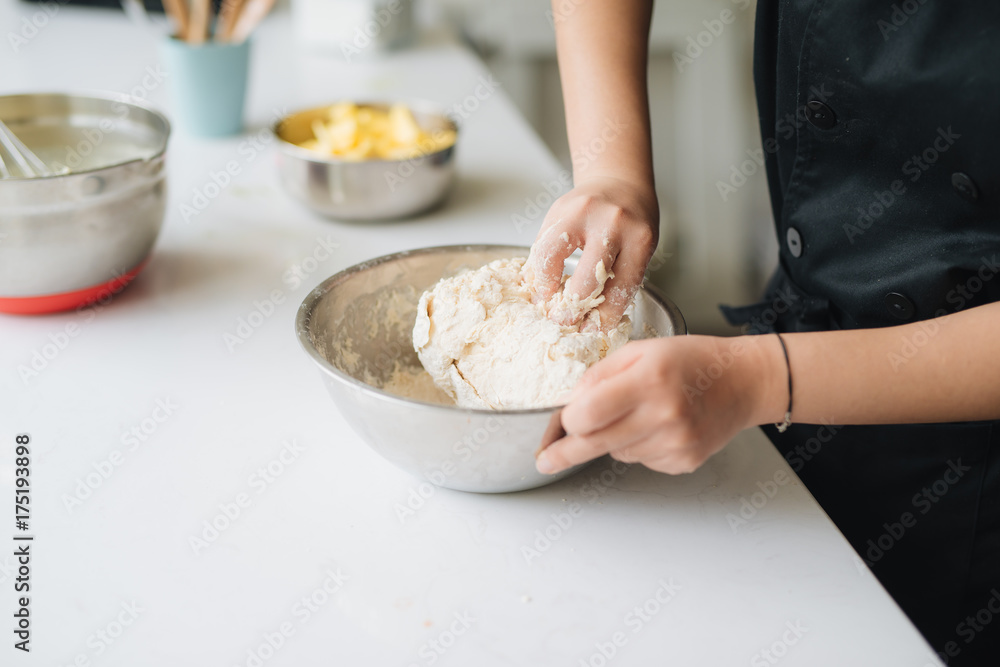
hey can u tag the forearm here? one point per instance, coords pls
(945, 369)
(603, 48)
(673, 402)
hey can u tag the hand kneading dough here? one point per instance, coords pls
(484, 343)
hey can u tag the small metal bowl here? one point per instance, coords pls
(357, 327)
(365, 190)
(69, 240)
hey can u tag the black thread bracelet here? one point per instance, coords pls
(783, 426)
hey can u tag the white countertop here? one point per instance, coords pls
(652, 562)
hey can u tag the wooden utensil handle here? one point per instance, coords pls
(201, 16)
(253, 13)
(229, 14)
(178, 11)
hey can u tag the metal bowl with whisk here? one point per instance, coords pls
(82, 234)
(357, 327)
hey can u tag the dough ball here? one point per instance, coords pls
(485, 344)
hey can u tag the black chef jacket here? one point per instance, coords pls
(880, 129)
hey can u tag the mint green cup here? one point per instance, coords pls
(208, 85)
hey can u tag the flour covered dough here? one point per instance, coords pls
(484, 343)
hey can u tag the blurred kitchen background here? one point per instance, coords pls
(716, 247)
(717, 244)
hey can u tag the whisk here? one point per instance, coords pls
(23, 162)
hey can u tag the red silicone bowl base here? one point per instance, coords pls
(56, 303)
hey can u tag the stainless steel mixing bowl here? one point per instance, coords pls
(64, 238)
(369, 189)
(357, 327)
